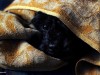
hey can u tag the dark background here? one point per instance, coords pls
(4, 3)
(66, 70)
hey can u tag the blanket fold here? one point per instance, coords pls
(82, 17)
(13, 27)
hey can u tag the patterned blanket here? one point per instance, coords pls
(82, 17)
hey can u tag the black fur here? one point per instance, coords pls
(56, 39)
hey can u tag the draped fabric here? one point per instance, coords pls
(82, 17)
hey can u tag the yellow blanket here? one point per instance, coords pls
(82, 17)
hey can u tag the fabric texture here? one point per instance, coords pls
(86, 21)
(81, 17)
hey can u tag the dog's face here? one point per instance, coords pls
(56, 40)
